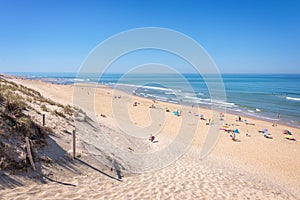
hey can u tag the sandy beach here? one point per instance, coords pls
(252, 167)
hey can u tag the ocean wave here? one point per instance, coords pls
(191, 97)
(155, 88)
(253, 114)
(253, 111)
(236, 110)
(168, 93)
(143, 86)
(223, 103)
(172, 101)
(140, 94)
(204, 103)
(80, 80)
(293, 98)
(262, 117)
(161, 99)
(193, 100)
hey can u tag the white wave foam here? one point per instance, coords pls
(144, 87)
(80, 80)
(161, 99)
(176, 102)
(205, 103)
(169, 92)
(155, 88)
(223, 103)
(293, 98)
(191, 97)
(263, 117)
(253, 114)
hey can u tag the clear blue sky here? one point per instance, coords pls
(241, 36)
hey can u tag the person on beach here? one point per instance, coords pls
(233, 137)
(221, 116)
(247, 133)
(209, 122)
(151, 138)
(278, 116)
(180, 112)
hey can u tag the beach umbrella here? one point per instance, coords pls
(236, 131)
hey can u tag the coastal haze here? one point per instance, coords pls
(150, 100)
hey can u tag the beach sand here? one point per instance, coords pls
(253, 167)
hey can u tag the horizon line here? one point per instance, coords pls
(223, 73)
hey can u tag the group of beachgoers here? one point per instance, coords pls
(264, 131)
(233, 132)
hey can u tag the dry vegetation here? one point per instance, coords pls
(20, 109)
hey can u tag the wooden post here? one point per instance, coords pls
(29, 153)
(74, 144)
(43, 119)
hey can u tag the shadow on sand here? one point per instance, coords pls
(100, 171)
(55, 155)
(8, 182)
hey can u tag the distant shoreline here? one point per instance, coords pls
(240, 113)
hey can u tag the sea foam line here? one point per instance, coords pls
(293, 98)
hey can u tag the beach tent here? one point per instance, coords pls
(176, 113)
(236, 131)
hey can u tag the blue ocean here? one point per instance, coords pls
(261, 96)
